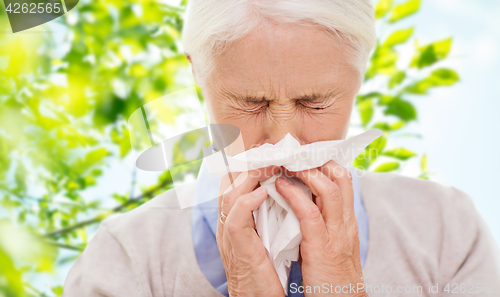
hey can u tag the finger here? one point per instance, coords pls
(244, 183)
(343, 178)
(355, 246)
(329, 193)
(312, 224)
(237, 227)
(318, 202)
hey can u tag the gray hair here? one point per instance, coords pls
(211, 25)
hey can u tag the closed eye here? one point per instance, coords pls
(316, 105)
(253, 106)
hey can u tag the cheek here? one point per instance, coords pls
(327, 125)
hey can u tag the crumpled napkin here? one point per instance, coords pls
(275, 221)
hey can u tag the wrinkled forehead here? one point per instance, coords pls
(283, 58)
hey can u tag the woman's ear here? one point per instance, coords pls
(192, 67)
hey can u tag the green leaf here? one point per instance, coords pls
(88, 181)
(375, 148)
(439, 77)
(58, 290)
(96, 155)
(47, 123)
(398, 37)
(386, 99)
(11, 282)
(383, 62)
(431, 53)
(382, 7)
(96, 172)
(365, 108)
(445, 76)
(396, 79)
(387, 167)
(382, 126)
(122, 139)
(82, 234)
(378, 144)
(90, 160)
(401, 109)
(404, 10)
(362, 161)
(71, 186)
(20, 176)
(423, 163)
(367, 96)
(424, 176)
(397, 125)
(386, 127)
(399, 153)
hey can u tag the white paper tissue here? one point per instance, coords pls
(276, 223)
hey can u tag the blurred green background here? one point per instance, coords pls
(68, 87)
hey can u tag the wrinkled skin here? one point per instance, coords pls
(284, 79)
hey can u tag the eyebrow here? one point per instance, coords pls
(313, 97)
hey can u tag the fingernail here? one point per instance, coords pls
(260, 191)
(283, 181)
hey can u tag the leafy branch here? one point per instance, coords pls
(392, 99)
(132, 201)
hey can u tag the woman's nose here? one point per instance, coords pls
(278, 128)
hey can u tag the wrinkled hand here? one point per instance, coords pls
(249, 272)
(330, 245)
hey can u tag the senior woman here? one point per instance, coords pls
(271, 68)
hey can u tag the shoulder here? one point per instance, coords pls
(434, 226)
(403, 189)
(135, 247)
(416, 199)
(151, 217)
(158, 229)
(427, 208)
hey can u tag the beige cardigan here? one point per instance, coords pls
(420, 233)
